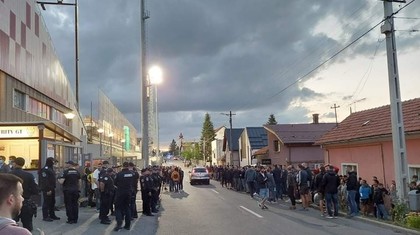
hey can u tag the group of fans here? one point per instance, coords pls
(322, 186)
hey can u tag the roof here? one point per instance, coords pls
(299, 133)
(257, 137)
(236, 133)
(262, 151)
(374, 123)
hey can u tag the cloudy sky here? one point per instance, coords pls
(254, 58)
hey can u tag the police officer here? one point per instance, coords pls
(106, 188)
(157, 181)
(146, 184)
(124, 188)
(30, 188)
(133, 205)
(71, 181)
(47, 182)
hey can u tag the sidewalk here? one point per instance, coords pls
(88, 223)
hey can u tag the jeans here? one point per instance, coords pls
(380, 209)
(332, 198)
(351, 199)
(279, 190)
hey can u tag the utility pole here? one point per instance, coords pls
(335, 107)
(397, 124)
(230, 135)
(144, 88)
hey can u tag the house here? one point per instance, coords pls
(231, 147)
(295, 143)
(363, 141)
(251, 140)
(217, 146)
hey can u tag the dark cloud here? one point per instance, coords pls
(240, 55)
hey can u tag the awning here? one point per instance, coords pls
(47, 124)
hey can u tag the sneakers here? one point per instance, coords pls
(330, 217)
(55, 218)
(292, 208)
(117, 229)
(48, 219)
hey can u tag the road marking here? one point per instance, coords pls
(250, 211)
(215, 191)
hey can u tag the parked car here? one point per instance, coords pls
(199, 174)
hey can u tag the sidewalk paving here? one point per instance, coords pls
(88, 223)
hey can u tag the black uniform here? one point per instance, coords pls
(146, 184)
(124, 188)
(30, 188)
(47, 182)
(157, 180)
(71, 188)
(133, 205)
(106, 197)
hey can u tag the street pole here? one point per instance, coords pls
(230, 136)
(76, 38)
(398, 134)
(335, 107)
(144, 88)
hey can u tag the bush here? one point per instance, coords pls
(413, 219)
(399, 212)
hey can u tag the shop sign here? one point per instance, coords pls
(18, 131)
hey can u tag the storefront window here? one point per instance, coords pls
(27, 149)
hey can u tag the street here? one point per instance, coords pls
(212, 209)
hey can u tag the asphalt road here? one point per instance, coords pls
(211, 209)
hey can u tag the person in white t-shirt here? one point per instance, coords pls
(95, 184)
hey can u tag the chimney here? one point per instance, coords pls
(315, 118)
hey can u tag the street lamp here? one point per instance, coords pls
(76, 37)
(100, 131)
(153, 77)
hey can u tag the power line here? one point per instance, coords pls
(339, 52)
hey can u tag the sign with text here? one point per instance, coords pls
(266, 161)
(18, 131)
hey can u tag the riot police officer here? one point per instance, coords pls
(47, 182)
(157, 181)
(124, 188)
(106, 188)
(71, 181)
(133, 205)
(30, 188)
(146, 184)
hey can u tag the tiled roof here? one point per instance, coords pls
(262, 151)
(299, 133)
(374, 122)
(257, 137)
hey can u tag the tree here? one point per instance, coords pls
(272, 120)
(173, 147)
(207, 136)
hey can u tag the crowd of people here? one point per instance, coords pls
(323, 186)
(110, 190)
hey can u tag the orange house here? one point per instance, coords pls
(363, 141)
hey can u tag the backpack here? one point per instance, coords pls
(175, 176)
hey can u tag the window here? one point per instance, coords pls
(19, 100)
(413, 170)
(276, 144)
(352, 166)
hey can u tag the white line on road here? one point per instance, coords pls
(215, 191)
(250, 211)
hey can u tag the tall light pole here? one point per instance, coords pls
(76, 37)
(100, 131)
(144, 87)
